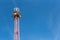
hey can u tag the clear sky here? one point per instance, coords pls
(40, 19)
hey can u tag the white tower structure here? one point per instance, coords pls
(17, 16)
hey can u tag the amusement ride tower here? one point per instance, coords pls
(16, 16)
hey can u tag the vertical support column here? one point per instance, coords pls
(16, 28)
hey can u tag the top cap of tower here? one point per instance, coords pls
(16, 12)
(16, 9)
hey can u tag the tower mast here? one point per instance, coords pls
(17, 16)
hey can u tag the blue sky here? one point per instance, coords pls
(40, 19)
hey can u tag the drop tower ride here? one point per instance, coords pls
(16, 16)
